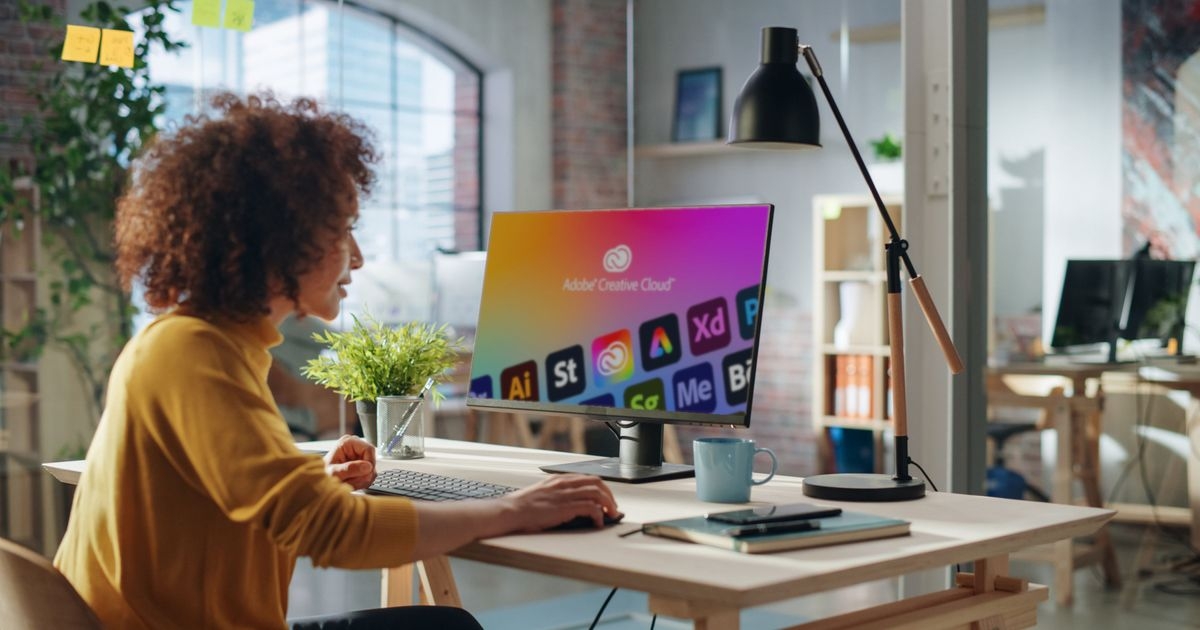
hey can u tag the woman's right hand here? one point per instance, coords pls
(554, 501)
(445, 526)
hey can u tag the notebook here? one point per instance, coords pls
(843, 528)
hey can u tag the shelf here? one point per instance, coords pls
(878, 351)
(16, 400)
(26, 459)
(19, 277)
(19, 366)
(854, 276)
(848, 257)
(682, 149)
(866, 424)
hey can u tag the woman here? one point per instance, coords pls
(195, 502)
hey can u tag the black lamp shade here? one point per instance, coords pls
(776, 108)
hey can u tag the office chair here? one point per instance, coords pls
(33, 594)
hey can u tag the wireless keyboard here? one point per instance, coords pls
(430, 487)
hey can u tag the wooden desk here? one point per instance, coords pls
(1182, 377)
(1163, 372)
(1077, 373)
(710, 585)
(1076, 420)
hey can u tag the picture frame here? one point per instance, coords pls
(697, 105)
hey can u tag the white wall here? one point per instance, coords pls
(1019, 93)
(671, 35)
(1083, 152)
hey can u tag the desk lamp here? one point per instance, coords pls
(776, 109)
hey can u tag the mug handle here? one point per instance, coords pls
(774, 466)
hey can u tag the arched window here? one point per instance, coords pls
(421, 99)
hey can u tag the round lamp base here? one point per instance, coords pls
(862, 487)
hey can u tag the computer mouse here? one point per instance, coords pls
(586, 522)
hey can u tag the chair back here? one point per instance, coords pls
(33, 594)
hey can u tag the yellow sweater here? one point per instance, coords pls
(195, 502)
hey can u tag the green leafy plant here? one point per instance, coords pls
(372, 360)
(887, 148)
(90, 121)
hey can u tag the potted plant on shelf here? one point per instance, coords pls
(389, 373)
(888, 169)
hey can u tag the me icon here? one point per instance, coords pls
(564, 373)
(695, 389)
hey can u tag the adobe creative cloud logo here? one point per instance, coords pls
(618, 259)
(613, 359)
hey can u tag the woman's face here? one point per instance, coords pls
(322, 288)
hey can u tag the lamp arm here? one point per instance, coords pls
(928, 308)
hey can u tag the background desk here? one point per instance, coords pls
(1169, 374)
(710, 585)
(1185, 378)
(1068, 399)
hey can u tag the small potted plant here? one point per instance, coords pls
(388, 372)
(888, 169)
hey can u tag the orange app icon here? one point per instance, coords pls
(612, 357)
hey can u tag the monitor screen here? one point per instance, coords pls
(638, 314)
(1090, 309)
(1158, 299)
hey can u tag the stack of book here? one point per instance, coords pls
(852, 384)
(780, 536)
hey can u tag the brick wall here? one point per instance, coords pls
(23, 59)
(466, 157)
(589, 108)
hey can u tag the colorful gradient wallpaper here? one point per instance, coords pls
(649, 310)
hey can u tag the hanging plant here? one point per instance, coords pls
(90, 121)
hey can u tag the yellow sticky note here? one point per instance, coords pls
(239, 15)
(116, 48)
(206, 13)
(82, 43)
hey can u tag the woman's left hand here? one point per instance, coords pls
(353, 461)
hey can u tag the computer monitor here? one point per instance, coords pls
(1158, 299)
(1090, 309)
(635, 317)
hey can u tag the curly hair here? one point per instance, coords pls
(238, 204)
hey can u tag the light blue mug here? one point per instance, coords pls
(724, 467)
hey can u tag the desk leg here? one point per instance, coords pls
(984, 581)
(1061, 492)
(397, 587)
(437, 584)
(1193, 475)
(704, 616)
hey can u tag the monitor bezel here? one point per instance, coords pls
(616, 414)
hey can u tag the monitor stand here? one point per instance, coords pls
(640, 459)
(1109, 359)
